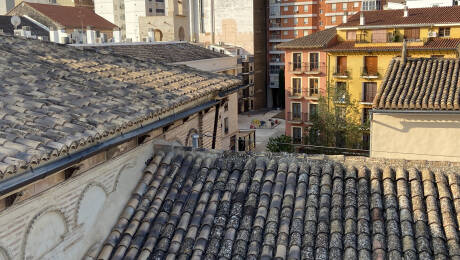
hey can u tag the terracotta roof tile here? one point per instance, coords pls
(319, 39)
(73, 17)
(244, 206)
(68, 99)
(420, 84)
(159, 52)
(432, 44)
(433, 15)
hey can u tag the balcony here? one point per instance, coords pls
(297, 117)
(371, 74)
(306, 67)
(341, 73)
(295, 94)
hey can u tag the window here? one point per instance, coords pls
(334, 7)
(297, 135)
(296, 86)
(285, 20)
(150, 10)
(314, 61)
(313, 110)
(313, 86)
(356, 4)
(226, 106)
(444, 32)
(379, 35)
(370, 66)
(305, 8)
(333, 19)
(180, 7)
(296, 9)
(340, 92)
(412, 34)
(321, 11)
(296, 33)
(226, 125)
(305, 20)
(344, 6)
(351, 35)
(369, 91)
(305, 32)
(341, 65)
(320, 23)
(366, 115)
(286, 8)
(285, 32)
(160, 11)
(296, 21)
(296, 111)
(297, 61)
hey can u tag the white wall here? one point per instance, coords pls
(433, 137)
(420, 4)
(133, 10)
(105, 8)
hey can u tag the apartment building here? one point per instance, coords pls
(305, 79)
(290, 19)
(368, 42)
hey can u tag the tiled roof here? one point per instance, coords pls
(73, 17)
(160, 52)
(8, 28)
(433, 15)
(56, 99)
(432, 44)
(420, 83)
(317, 40)
(240, 206)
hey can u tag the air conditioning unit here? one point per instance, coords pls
(432, 34)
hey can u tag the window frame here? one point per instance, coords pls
(443, 30)
(310, 88)
(299, 93)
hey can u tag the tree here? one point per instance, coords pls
(280, 143)
(337, 122)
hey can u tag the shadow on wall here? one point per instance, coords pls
(408, 124)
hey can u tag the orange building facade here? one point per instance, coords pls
(291, 19)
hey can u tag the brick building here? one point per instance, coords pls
(290, 19)
(305, 79)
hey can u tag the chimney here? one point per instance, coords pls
(151, 35)
(116, 35)
(406, 11)
(345, 17)
(54, 35)
(361, 19)
(404, 53)
(195, 141)
(62, 36)
(90, 35)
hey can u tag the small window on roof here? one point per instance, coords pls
(444, 32)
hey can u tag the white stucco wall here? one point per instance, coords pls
(133, 10)
(434, 137)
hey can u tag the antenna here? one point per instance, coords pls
(15, 21)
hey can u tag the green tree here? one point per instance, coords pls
(337, 122)
(280, 143)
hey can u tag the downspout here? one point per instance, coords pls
(216, 120)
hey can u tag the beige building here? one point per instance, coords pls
(416, 113)
(239, 23)
(194, 56)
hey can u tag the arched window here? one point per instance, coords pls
(181, 34)
(180, 7)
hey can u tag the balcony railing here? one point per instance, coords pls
(372, 74)
(313, 93)
(307, 67)
(342, 72)
(297, 117)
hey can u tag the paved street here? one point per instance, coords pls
(262, 134)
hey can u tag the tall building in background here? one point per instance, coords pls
(239, 23)
(290, 19)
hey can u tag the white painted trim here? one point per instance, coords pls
(296, 3)
(293, 16)
(330, 26)
(293, 28)
(319, 56)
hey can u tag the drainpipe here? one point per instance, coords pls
(216, 121)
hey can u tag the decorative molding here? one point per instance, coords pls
(82, 194)
(131, 164)
(42, 213)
